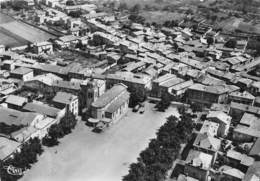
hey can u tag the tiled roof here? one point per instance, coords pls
(109, 96)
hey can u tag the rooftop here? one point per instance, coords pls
(13, 117)
(109, 96)
(7, 147)
(210, 128)
(64, 98)
(244, 94)
(118, 102)
(221, 116)
(16, 100)
(207, 142)
(199, 159)
(22, 71)
(216, 89)
(253, 172)
(47, 79)
(42, 109)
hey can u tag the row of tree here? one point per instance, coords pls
(23, 159)
(57, 131)
(154, 162)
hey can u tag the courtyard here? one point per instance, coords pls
(85, 155)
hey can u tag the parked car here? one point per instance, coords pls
(136, 108)
(141, 110)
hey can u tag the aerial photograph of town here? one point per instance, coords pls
(129, 90)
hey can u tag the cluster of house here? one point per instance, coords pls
(223, 150)
(173, 62)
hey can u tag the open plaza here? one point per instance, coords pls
(86, 155)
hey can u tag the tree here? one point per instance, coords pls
(164, 103)
(75, 14)
(79, 45)
(3, 5)
(68, 122)
(70, 3)
(210, 41)
(232, 43)
(122, 6)
(17, 5)
(145, 39)
(154, 162)
(54, 133)
(136, 8)
(135, 97)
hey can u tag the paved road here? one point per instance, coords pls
(89, 156)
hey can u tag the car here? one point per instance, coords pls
(136, 108)
(100, 127)
(141, 110)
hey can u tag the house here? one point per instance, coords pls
(220, 107)
(18, 118)
(66, 86)
(15, 102)
(255, 149)
(182, 177)
(179, 89)
(44, 109)
(229, 173)
(237, 110)
(253, 172)
(245, 134)
(39, 129)
(198, 164)
(67, 40)
(210, 128)
(257, 102)
(43, 83)
(2, 48)
(255, 88)
(207, 95)
(163, 85)
(111, 105)
(22, 73)
(207, 144)
(248, 128)
(43, 47)
(4, 73)
(28, 3)
(140, 83)
(222, 119)
(8, 148)
(239, 160)
(63, 99)
(241, 97)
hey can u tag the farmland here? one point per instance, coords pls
(15, 33)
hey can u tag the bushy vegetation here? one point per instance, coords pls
(164, 103)
(57, 131)
(23, 159)
(156, 160)
(75, 14)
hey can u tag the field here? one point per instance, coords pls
(5, 19)
(16, 33)
(10, 41)
(73, 57)
(87, 156)
(161, 16)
